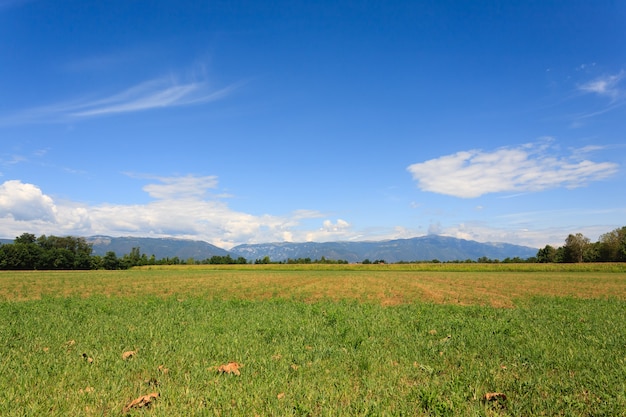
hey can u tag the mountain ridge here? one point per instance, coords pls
(422, 248)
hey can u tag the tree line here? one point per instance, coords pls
(610, 247)
(28, 252)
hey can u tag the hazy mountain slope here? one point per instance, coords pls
(423, 248)
(415, 249)
(159, 247)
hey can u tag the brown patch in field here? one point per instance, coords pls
(143, 401)
(492, 285)
(163, 369)
(230, 368)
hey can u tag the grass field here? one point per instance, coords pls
(319, 341)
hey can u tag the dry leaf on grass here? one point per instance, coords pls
(143, 401)
(494, 396)
(281, 396)
(129, 354)
(230, 368)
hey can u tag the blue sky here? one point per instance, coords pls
(247, 122)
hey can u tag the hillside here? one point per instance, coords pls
(416, 249)
(159, 247)
(423, 248)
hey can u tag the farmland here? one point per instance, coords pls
(448, 339)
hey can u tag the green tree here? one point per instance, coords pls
(25, 238)
(110, 261)
(612, 246)
(575, 247)
(546, 254)
(19, 256)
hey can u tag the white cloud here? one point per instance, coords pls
(24, 202)
(339, 226)
(530, 167)
(340, 230)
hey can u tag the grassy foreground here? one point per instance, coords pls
(308, 348)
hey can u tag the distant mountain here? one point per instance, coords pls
(424, 248)
(159, 247)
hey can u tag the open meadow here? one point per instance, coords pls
(315, 340)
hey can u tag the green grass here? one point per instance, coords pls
(549, 356)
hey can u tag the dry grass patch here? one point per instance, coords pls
(387, 286)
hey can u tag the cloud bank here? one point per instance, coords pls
(182, 208)
(530, 167)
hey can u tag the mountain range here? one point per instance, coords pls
(424, 248)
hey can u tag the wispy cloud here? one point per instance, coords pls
(606, 85)
(154, 94)
(530, 167)
(181, 187)
(151, 95)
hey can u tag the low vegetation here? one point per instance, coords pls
(313, 340)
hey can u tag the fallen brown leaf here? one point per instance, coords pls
(281, 396)
(494, 396)
(230, 368)
(143, 401)
(129, 354)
